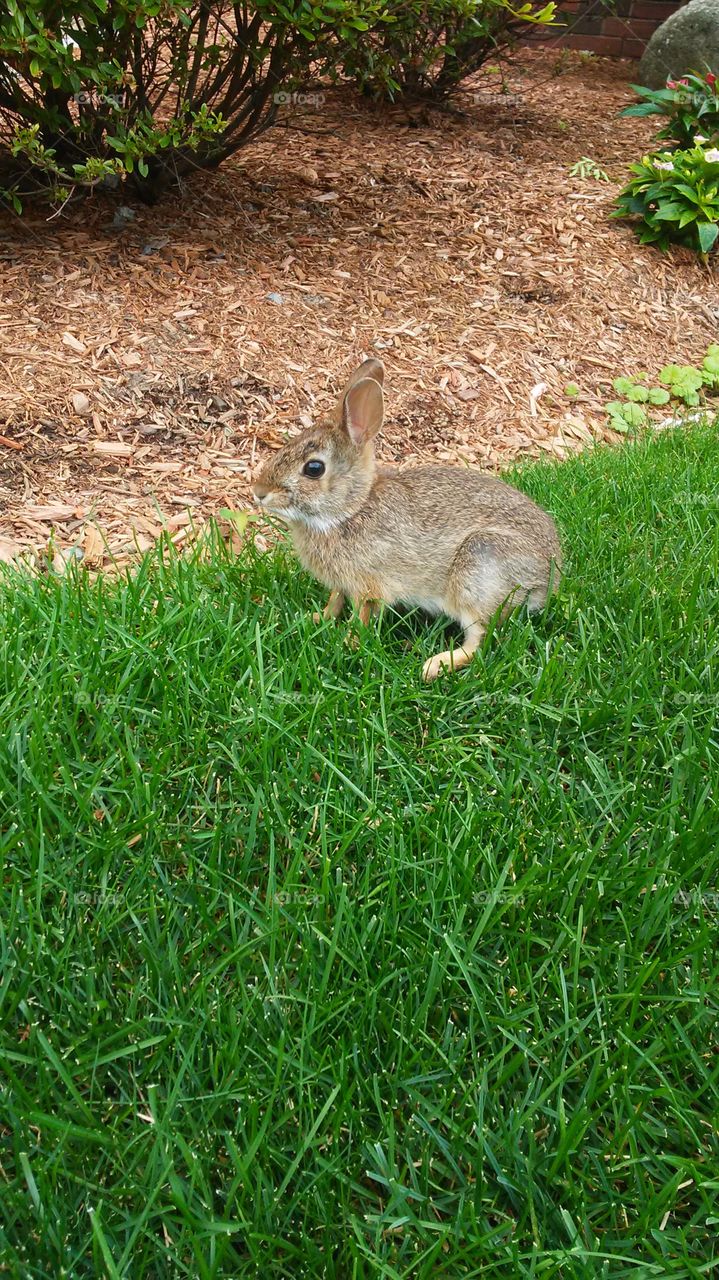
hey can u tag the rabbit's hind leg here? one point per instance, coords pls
(494, 573)
(537, 596)
(486, 579)
(453, 660)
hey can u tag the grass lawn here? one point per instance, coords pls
(310, 970)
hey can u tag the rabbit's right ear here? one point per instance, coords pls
(371, 368)
(363, 410)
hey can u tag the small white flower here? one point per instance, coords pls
(712, 156)
(664, 164)
(700, 139)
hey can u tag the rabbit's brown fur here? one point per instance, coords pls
(445, 539)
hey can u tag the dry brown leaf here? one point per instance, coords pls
(576, 427)
(9, 551)
(93, 545)
(142, 541)
(180, 520)
(53, 511)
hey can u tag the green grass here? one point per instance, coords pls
(308, 970)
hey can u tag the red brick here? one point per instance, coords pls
(623, 33)
(657, 10)
(617, 27)
(643, 28)
(609, 46)
(633, 48)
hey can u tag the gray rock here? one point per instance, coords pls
(687, 41)
(154, 246)
(277, 298)
(123, 217)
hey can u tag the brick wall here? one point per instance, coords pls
(615, 28)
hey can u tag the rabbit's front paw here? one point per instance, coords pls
(332, 609)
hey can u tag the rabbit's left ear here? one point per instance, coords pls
(371, 368)
(363, 411)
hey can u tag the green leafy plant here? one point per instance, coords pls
(635, 391)
(588, 168)
(674, 196)
(153, 89)
(690, 105)
(237, 518)
(626, 417)
(684, 382)
(710, 367)
(429, 48)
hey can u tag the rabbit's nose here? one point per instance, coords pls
(261, 490)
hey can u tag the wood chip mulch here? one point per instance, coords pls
(148, 363)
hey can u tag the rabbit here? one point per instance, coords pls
(446, 539)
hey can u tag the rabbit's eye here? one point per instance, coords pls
(314, 468)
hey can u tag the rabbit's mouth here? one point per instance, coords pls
(285, 510)
(273, 500)
(277, 503)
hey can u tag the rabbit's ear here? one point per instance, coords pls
(371, 368)
(363, 410)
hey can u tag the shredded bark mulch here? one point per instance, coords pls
(149, 359)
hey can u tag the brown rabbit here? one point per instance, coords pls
(442, 538)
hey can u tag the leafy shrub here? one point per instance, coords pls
(674, 195)
(149, 88)
(691, 106)
(428, 46)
